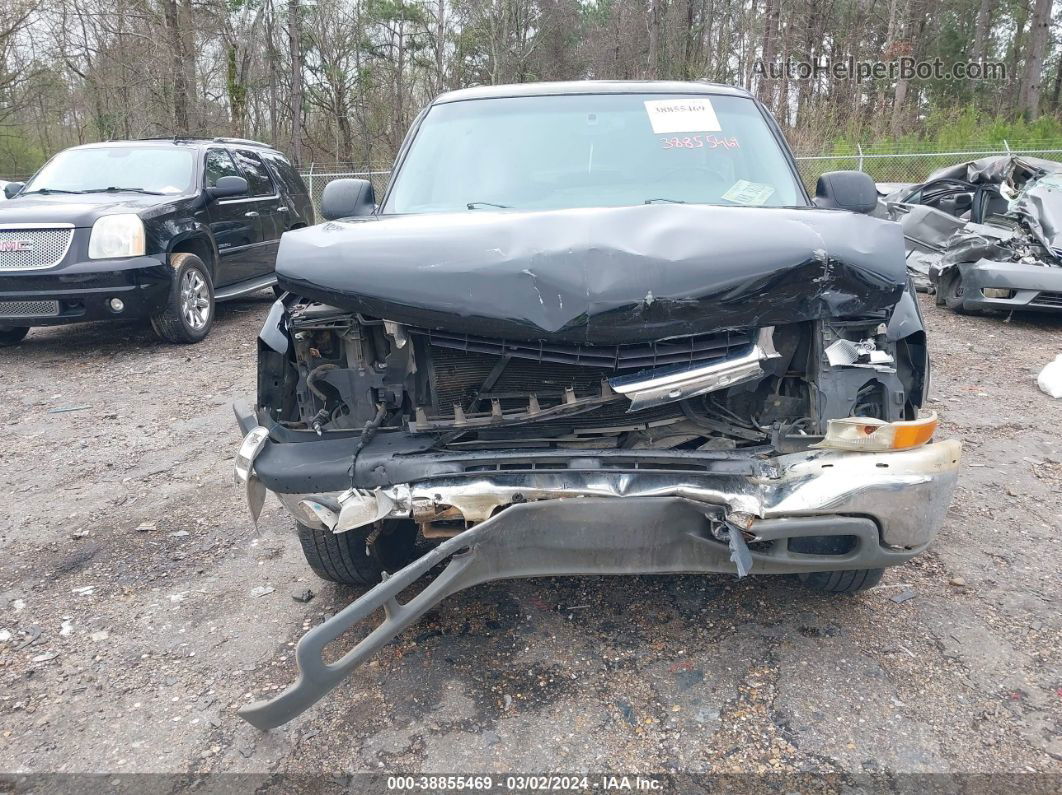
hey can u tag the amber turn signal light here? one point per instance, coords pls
(874, 435)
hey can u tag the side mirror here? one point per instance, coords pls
(346, 198)
(11, 189)
(846, 190)
(228, 186)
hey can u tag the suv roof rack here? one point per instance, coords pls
(174, 138)
(246, 141)
(194, 138)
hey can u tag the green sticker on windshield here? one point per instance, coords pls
(750, 193)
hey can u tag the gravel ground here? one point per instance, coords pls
(132, 629)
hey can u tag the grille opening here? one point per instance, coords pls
(1047, 298)
(29, 308)
(823, 545)
(695, 349)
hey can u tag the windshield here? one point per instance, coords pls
(151, 169)
(596, 150)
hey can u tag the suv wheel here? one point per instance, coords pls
(189, 311)
(346, 558)
(850, 581)
(12, 335)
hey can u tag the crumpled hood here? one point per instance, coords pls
(79, 209)
(602, 275)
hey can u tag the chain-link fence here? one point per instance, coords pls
(892, 164)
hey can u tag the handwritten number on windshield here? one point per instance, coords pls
(699, 142)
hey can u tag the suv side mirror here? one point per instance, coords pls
(228, 186)
(11, 189)
(345, 198)
(846, 190)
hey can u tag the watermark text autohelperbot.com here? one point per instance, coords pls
(903, 68)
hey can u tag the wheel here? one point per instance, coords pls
(12, 335)
(343, 557)
(950, 291)
(189, 311)
(850, 581)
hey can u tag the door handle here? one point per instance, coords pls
(251, 214)
(282, 209)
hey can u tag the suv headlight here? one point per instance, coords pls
(117, 236)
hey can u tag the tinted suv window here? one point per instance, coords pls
(286, 172)
(219, 164)
(257, 175)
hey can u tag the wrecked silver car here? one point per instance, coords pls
(986, 234)
(591, 328)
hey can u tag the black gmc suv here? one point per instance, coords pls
(157, 229)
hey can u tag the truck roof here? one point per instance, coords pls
(590, 87)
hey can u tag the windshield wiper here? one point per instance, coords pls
(46, 190)
(664, 201)
(477, 205)
(113, 189)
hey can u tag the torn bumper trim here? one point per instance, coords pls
(645, 392)
(591, 536)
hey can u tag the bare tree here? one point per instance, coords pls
(296, 69)
(1040, 27)
(342, 79)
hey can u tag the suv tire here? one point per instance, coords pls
(848, 581)
(12, 335)
(189, 311)
(343, 557)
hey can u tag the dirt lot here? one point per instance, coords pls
(129, 567)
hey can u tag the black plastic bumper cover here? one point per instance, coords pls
(589, 536)
(84, 291)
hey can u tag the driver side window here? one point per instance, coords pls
(219, 164)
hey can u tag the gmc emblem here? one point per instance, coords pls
(15, 246)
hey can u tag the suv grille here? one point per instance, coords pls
(695, 350)
(32, 249)
(478, 376)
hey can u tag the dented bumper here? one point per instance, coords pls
(603, 515)
(1031, 287)
(904, 493)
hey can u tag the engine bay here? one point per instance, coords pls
(345, 372)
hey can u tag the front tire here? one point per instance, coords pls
(12, 335)
(951, 291)
(189, 312)
(849, 581)
(344, 558)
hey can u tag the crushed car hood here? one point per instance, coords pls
(602, 275)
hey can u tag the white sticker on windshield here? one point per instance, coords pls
(682, 115)
(749, 193)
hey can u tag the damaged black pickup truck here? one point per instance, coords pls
(591, 328)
